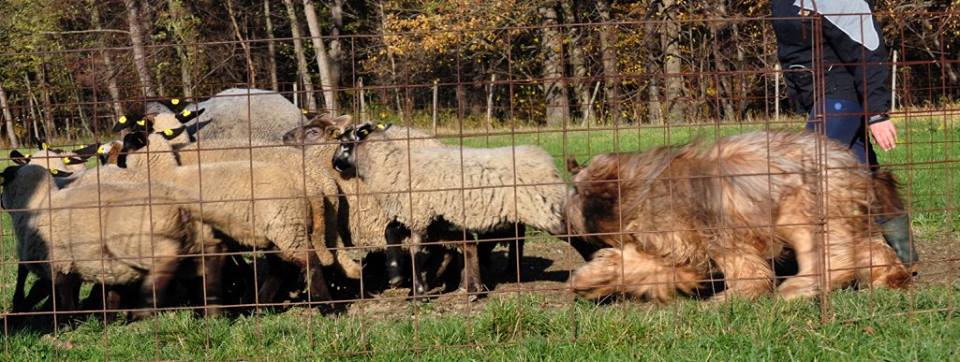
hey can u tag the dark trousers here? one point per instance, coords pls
(844, 123)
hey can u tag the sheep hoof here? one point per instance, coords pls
(395, 282)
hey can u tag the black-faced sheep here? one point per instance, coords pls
(363, 214)
(473, 189)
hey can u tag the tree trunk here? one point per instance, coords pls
(311, 103)
(323, 62)
(83, 115)
(32, 104)
(578, 62)
(608, 48)
(8, 119)
(670, 43)
(184, 35)
(271, 48)
(393, 62)
(251, 68)
(336, 49)
(51, 129)
(110, 70)
(723, 89)
(139, 54)
(554, 85)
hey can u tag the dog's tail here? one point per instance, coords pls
(887, 199)
(631, 272)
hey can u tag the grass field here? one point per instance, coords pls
(918, 324)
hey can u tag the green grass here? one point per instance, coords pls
(867, 325)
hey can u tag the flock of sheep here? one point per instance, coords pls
(190, 187)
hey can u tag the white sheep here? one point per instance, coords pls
(243, 114)
(116, 237)
(365, 224)
(472, 189)
(277, 217)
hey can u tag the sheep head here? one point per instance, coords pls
(345, 158)
(321, 129)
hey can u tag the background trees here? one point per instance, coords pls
(69, 67)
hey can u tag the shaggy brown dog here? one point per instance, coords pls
(675, 215)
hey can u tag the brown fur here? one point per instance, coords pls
(733, 205)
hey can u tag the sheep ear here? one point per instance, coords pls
(19, 158)
(74, 160)
(87, 151)
(343, 121)
(123, 122)
(572, 166)
(134, 141)
(174, 104)
(60, 173)
(187, 115)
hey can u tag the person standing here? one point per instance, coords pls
(856, 96)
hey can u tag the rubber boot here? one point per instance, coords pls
(896, 232)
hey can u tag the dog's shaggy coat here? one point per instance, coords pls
(681, 213)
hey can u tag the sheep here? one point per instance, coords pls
(319, 182)
(282, 220)
(114, 238)
(243, 114)
(364, 220)
(500, 185)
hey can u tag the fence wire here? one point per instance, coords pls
(247, 226)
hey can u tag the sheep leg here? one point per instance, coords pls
(155, 284)
(273, 281)
(213, 282)
(470, 276)
(516, 250)
(585, 248)
(319, 292)
(40, 290)
(394, 234)
(419, 281)
(65, 287)
(19, 302)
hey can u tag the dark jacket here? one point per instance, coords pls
(853, 71)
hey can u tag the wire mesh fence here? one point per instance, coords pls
(455, 182)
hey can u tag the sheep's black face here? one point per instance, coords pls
(9, 174)
(345, 159)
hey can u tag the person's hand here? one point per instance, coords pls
(884, 134)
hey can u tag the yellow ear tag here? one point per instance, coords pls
(304, 111)
(101, 150)
(141, 122)
(66, 160)
(44, 146)
(168, 132)
(54, 171)
(175, 101)
(381, 126)
(122, 120)
(186, 112)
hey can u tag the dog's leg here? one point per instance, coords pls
(879, 267)
(796, 227)
(746, 274)
(634, 273)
